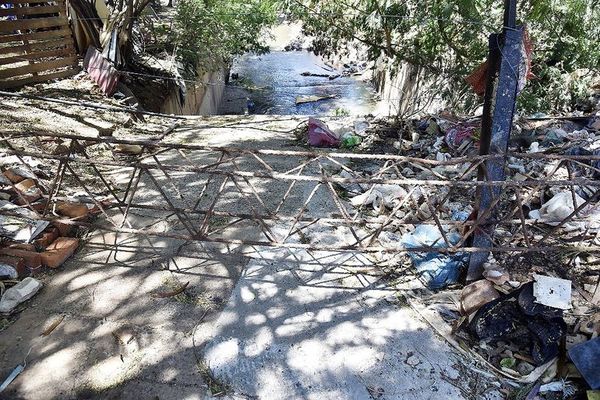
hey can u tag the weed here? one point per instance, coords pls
(215, 385)
(341, 112)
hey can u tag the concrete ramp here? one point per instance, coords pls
(326, 328)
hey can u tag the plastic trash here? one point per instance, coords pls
(459, 134)
(585, 356)
(13, 375)
(557, 208)
(555, 136)
(516, 317)
(361, 126)
(380, 196)
(8, 272)
(435, 269)
(19, 293)
(350, 140)
(320, 135)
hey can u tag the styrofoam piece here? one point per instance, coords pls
(552, 292)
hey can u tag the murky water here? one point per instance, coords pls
(276, 80)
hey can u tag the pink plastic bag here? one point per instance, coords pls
(320, 135)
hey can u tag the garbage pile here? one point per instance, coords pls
(28, 242)
(319, 135)
(522, 318)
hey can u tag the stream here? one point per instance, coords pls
(270, 83)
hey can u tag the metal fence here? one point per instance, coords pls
(307, 199)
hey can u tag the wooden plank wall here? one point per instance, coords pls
(36, 42)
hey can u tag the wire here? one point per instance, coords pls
(86, 104)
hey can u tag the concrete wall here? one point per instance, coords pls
(405, 90)
(200, 99)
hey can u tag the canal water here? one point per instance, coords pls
(270, 84)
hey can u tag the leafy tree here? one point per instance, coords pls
(448, 39)
(208, 33)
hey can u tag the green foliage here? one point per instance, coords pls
(448, 39)
(208, 33)
(340, 112)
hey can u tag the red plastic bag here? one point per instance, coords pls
(320, 135)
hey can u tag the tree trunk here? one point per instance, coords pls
(115, 38)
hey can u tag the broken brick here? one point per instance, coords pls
(476, 294)
(17, 263)
(72, 210)
(59, 251)
(63, 229)
(48, 236)
(32, 259)
(11, 176)
(39, 206)
(27, 190)
(21, 246)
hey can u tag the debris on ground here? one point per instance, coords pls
(552, 292)
(19, 293)
(29, 243)
(437, 270)
(313, 98)
(586, 356)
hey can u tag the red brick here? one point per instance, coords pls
(39, 206)
(17, 263)
(32, 259)
(21, 246)
(28, 190)
(14, 178)
(48, 236)
(58, 252)
(63, 229)
(72, 210)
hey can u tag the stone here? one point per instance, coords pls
(413, 361)
(524, 368)
(32, 259)
(496, 276)
(476, 294)
(59, 251)
(19, 293)
(71, 209)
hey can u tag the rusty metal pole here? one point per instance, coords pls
(502, 82)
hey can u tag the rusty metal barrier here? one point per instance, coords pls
(302, 199)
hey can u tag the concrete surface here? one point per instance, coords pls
(327, 326)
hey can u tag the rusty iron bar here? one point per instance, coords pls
(351, 248)
(338, 221)
(320, 178)
(203, 234)
(359, 156)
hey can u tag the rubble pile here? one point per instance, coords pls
(533, 318)
(30, 243)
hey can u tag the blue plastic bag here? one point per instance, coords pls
(437, 270)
